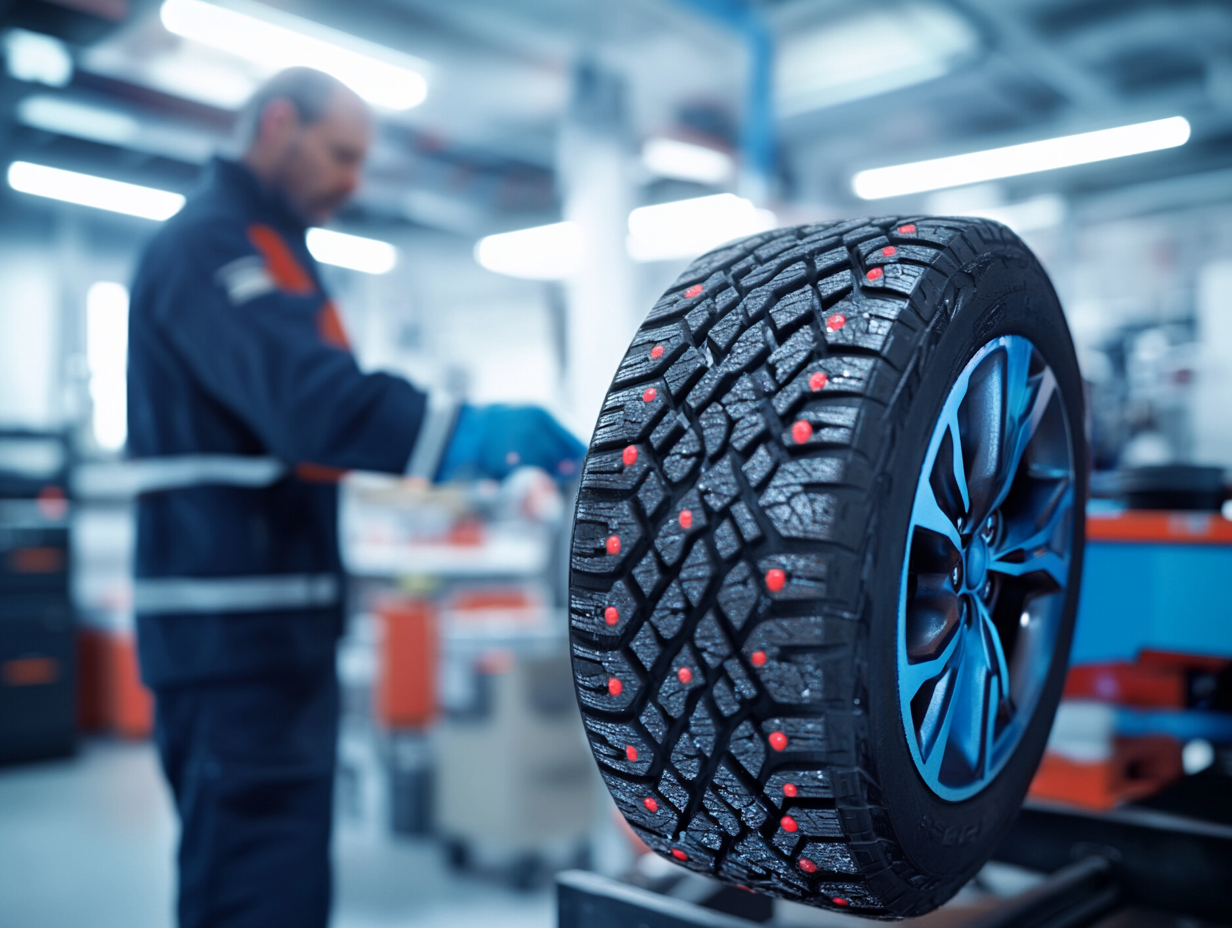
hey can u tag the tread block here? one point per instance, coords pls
(645, 645)
(805, 734)
(711, 640)
(652, 495)
(832, 424)
(793, 353)
(832, 856)
(592, 672)
(594, 527)
(715, 428)
(794, 309)
(719, 486)
(639, 364)
(748, 747)
(611, 741)
(746, 522)
(674, 691)
(808, 782)
(727, 540)
(806, 575)
(684, 457)
(670, 612)
(696, 573)
(648, 573)
(606, 470)
(739, 594)
(804, 501)
(588, 610)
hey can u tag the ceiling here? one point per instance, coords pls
(919, 79)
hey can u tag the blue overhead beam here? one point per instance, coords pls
(757, 123)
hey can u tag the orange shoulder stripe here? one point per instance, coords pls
(287, 272)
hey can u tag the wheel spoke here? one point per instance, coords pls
(1035, 553)
(960, 468)
(984, 406)
(996, 660)
(970, 699)
(927, 513)
(932, 762)
(990, 733)
(913, 676)
(1022, 429)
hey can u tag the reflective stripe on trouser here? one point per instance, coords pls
(235, 594)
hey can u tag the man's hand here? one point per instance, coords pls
(491, 441)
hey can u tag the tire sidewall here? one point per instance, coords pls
(1005, 293)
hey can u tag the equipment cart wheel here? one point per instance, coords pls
(826, 559)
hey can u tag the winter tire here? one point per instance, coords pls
(826, 559)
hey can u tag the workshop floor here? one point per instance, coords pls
(89, 842)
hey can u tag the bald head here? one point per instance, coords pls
(306, 136)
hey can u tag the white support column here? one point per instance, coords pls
(1212, 396)
(594, 172)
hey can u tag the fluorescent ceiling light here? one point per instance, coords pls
(866, 55)
(277, 40)
(548, 252)
(685, 161)
(37, 58)
(1028, 158)
(686, 228)
(88, 190)
(354, 252)
(78, 120)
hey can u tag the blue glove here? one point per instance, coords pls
(491, 441)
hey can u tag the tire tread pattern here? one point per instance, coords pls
(684, 747)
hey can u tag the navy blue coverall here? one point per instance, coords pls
(244, 401)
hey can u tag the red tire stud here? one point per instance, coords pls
(776, 579)
(839, 900)
(818, 381)
(611, 615)
(889, 251)
(789, 824)
(686, 519)
(875, 274)
(685, 675)
(650, 804)
(656, 352)
(693, 291)
(629, 456)
(790, 791)
(778, 740)
(907, 229)
(631, 753)
(836, 321)
(613, 544)
(615, 687)
(649, 394)
(758, 658)
(679, 854)
(801, 432)
(807, 865)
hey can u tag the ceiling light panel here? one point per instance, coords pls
(275, 40)
(866, 55)
(550, 252)
(687, 228)
(354, 252)
(685, 161)
(98, 192)
(1015, 160)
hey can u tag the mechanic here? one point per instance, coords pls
(245, 405)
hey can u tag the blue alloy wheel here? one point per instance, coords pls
(826, 555)
(988, 556)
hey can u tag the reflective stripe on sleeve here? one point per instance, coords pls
(235, 594)
(434, 433)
